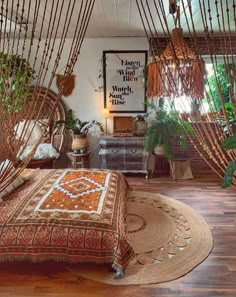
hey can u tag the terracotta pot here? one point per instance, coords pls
(80, 142)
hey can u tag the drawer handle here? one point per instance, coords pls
(133, 151)
(115, 151)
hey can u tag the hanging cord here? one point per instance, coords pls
(41, 52)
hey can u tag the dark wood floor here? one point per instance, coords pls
(216, 276)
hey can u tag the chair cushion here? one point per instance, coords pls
(44, 151)
(33, 127)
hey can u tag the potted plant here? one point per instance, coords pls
(163, 129)
(229, 143)
(79, 130)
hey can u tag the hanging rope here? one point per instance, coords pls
(30, 54)
(183, 82)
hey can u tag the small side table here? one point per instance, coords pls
(79, 160)
(161, 166)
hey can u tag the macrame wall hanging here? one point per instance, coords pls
(68, 84)
(169, 78)
(33, 46)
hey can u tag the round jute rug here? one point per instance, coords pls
(169, 239)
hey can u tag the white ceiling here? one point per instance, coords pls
(122, 18)
(112, 18)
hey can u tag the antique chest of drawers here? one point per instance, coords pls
(125, 154)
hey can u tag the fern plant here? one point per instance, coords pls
(76, 125)
(163, 129)
(229, 143)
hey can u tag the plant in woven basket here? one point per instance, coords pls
(79, 130)
(164, 128)
(229, 143)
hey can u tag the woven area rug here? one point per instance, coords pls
(168, 237)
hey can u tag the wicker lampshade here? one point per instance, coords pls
(177, 71)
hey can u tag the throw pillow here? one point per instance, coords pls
(32, 133)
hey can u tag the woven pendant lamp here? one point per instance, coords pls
(178, 71)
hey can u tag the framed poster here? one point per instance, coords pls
(124, 81)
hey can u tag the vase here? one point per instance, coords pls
(140, 127)
(80, 142)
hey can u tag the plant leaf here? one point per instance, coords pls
(229, 173)
(229, 142)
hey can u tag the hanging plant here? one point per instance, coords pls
(16, 76)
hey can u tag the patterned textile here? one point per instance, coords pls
(67, 215)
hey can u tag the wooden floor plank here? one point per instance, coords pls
(216, 276)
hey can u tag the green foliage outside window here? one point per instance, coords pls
(221, 72)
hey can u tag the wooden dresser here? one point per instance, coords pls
(125, 154)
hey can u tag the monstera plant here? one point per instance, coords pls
(229, 143)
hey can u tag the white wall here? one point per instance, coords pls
(88, 103)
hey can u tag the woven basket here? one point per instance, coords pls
(80, 142)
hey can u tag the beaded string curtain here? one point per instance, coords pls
(215, 17)
(32, 41)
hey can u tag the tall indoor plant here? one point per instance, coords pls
(79, 130)
(164, 129)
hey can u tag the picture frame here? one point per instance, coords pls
(125, 81)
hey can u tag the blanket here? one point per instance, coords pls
(67, 215)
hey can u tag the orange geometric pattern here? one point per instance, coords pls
(76, 191)
(67, 215)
